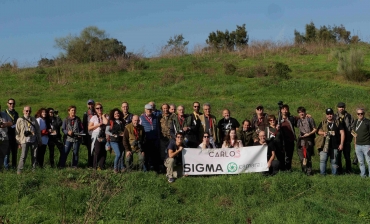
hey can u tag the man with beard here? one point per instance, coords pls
(333, 132)
(246, 133)
(347, 120)
(13, 146)
(259, 121)
(226, 124)
(208, 124)
(195, 120)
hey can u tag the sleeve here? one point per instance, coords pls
(341, 126)
(59, 121)
(351, 123)
(237, 125)
(38, 132)
(81, 126)
(107, 130)
(18, 131)
(64, 127)
(320, 126)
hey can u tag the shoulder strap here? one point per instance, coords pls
(29, 121)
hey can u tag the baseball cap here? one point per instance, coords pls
(341, 104)
(329, 111)
(148, 107)
(90, 101)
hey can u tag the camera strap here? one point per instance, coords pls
(30, 122)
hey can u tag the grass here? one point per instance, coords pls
(86, 196)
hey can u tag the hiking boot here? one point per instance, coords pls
(123, 170)
(171, 180)
(115, 171)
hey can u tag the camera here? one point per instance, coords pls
(56, 112)
(137, 144)
(280, 103)
(27, 133)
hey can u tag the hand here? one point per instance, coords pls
(128, 153)
(70, 133)
(19, 147)
(185, 128)
(181, 148)
(325, 134)
(269, 164)
(340, 147)
(277, 127)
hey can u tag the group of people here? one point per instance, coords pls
(159, 136)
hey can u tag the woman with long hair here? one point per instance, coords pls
(42, 117)
(72, 128)
(114, 130)
(231, 140)
(97, 125)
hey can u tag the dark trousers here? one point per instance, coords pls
(347, 158)
(163, 153)
(54, 141)
(4, 149)
(13, 149)
(309, 151)
(100, 154)
(289, 149)
(274, 168)
(152, 154)
(90, 156)
(40, 154)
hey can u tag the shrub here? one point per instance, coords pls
(281, 70)
(350, 65)
(229, 69)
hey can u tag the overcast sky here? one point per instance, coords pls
(28, 27)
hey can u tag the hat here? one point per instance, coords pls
(90, 101)
(148, 107)
(329, 111)
(341, 104)
(259, 106)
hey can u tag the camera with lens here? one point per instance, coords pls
(137, 144)
(280, 103)
(27, 133)
(56, 112)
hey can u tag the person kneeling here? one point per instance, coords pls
(272, 164)
(173, 152)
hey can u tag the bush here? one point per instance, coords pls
(281, 70)
(229, 69)
(350, 65)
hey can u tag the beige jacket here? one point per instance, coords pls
(20, 128)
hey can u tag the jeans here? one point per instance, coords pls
(13, 149)
(67, 147)
(361, 152)
(119, 151)
(4, 149)
(324, 158)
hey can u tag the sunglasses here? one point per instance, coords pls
(195, 106)
(259, 108)
(271, 120)
(98, 108)
(329, 114)
(11, 103)
(51, 112)
(27, 111)
(205, 136)
(360, 113)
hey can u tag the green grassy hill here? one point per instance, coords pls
(76, 196)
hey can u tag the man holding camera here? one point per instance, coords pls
(208, 125)
(13, 146)
(133, 139)
(28, 136)
(334, 135)
(5, 123)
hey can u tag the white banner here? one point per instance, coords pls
(225, 161)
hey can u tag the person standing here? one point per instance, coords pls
(165, 135)
(194, 117)
(54, 136)
(307, 130)
(87, 138)
(28, 136)
(208, 124)
(287, 124)
(362, 140)
(42, 118)
(115, 130)
(72, 127)
(13, 146)
(151, 126)
(347, 120)
(333, 132)
(97, 129)
(246, 133)
(259, 121)
(5, 123)
(226, 124)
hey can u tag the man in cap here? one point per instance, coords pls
(347, 120)
(151, 125)
(259, 121)
(362, 140)
(333, 132)
(85, 121)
